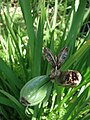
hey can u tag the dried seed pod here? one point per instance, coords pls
(50, 57)
(70, 78)
(56, 61)
(62, 56)
(54, 73)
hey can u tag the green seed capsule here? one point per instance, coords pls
(34, 90)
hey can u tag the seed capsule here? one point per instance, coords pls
(35, 90)
(70, 78)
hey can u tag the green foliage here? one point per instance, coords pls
(23, 35)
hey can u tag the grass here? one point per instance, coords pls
(52, 24)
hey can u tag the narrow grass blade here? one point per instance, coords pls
(39, 43)
(72, 106)
(12, 79)
(26, 10)
(76, 56)
(78, 15)
(17, 105)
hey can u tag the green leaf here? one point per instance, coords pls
(17, 105)
(77, 55)
(73, 106)
(12, 79)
